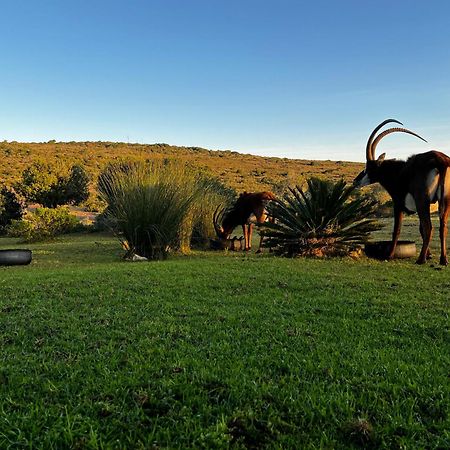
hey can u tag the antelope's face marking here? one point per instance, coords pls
(362, 179)
(370, 174)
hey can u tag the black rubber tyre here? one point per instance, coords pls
(380, 249)
(15, 257)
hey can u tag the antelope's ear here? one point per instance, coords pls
(381, 158)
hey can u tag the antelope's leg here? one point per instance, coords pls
(428, 255)
(443, 231)
(245, 231)
(250, 231)
(426, 230)
(398, 218)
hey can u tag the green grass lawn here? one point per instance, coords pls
(221, 350)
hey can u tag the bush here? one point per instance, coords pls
(155, 205)
(52, 186)
(43, 224)
(11, 207)
(323, 221)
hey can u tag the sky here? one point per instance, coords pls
(295, 79)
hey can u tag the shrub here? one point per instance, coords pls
(52, 186)
(76, 187)
(323, 221)
(11, 207)
(43, 224)
(155, 206)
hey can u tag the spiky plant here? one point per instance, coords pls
(324, 220)
(154, 205)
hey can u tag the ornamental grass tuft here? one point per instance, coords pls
(156, 205)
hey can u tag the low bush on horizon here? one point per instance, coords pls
(157, 206)
(323, 220)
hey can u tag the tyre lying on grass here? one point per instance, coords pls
(18, 257)
(380, 249)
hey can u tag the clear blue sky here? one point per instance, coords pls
(297, 79)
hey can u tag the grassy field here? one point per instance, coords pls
(217, 350)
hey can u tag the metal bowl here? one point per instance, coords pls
(15, 257)
(380, 249)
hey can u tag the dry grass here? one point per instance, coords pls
(239, 171)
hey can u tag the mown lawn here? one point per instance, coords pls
(217, 351)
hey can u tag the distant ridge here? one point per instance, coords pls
(237, 170)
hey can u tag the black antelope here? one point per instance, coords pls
(248, 204)
(413, 184)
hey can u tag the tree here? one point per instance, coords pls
(11, 207)
(77, 186)
(50, 186)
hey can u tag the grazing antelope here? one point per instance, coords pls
(413, 185)
(247, 205)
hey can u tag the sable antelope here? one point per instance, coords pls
(247, 205)
(413, 185)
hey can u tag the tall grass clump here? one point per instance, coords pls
(324, 220)
(155, 204)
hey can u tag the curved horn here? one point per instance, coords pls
(216, 217)
(389, 131)
(370, 155)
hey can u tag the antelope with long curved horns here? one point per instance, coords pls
(414, 185)
(247, 205)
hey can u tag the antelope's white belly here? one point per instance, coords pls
(410, 203)
(433, 191)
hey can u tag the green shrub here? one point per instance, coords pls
(11, 207)
(52, 186)
(155, 205)
(43, 224)
(322, 221)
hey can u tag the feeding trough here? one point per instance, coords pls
(16, 257)
(233, 244)
(380, 249)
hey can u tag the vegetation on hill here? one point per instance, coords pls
(238, 171)
(52, 186)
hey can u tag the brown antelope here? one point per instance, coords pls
(247, 205)
(413, 185)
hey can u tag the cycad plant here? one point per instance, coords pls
(324, 220)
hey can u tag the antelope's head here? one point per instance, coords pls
(217, 222)
(371, 173)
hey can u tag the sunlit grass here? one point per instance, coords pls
(214, 350)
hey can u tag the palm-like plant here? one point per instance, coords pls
(322, 221)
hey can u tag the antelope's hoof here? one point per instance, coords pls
(443, 261)
(421, 261)
(259, 251)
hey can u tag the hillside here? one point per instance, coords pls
(239, 171)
